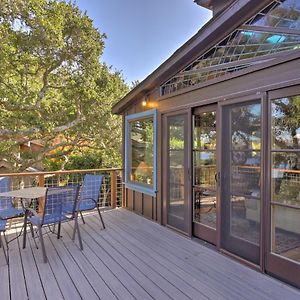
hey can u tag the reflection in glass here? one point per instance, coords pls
(205, 131)
(285, 14)
(176, 166)
(245, 172)
(204, 157)
(245, 127)
(286, 178)
(286, 123)
(141, 133)
(204, 168)
(286, 231)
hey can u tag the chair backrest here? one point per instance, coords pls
(90, 190)
(55, 200)
(5, 202)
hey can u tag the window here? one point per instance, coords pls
(274, 29)
(285, 192)
(140, 152)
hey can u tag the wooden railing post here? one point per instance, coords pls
(113, 189)
(41, 180)
(123, 196)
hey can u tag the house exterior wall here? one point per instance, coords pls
(256, 82)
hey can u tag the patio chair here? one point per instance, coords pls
(89, 194)
(54, 214)
(7, 207)
(2, 232)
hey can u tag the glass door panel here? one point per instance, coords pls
(241, 169)
(204, 174)
(177, 177)
(284, 257)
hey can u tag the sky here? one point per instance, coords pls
(142, 34)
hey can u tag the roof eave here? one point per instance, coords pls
(212, 31)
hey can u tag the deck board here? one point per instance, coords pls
(133, 258)
(153, 274)
(231, 273)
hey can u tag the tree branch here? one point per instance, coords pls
(6, 134)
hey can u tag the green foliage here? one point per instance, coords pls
(88, 161)
(53, 86)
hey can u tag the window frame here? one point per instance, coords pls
(134, 185)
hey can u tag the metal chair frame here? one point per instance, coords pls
(40, 222)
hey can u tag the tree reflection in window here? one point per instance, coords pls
(142, 151)
(286, 123)
(286, 137)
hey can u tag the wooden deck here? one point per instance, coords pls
(133, 258)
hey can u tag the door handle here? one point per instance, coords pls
(217, 177)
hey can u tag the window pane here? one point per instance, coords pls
(205, 168)
(205, 131)
(286, 231)
(286, 123)
(245, 176)
(176, 166)
(142, 151)
(176, 133)
(245, 131)
(205, 201)
(245, 167)
(286, 178)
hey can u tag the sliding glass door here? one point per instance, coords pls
(205, 173)
(177, 172)
(283, 257)
(241, 178)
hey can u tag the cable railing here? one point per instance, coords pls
(112, 190)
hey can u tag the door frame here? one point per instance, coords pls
(275, 264)
(188, 169)
(200, 230)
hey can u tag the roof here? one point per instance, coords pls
(212, 32)
(214, 5)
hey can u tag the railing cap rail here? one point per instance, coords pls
(60, 172)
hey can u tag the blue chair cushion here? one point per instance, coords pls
(67, 208)
(87, 205)
(2, 225)
(48, 219)
(11, 213)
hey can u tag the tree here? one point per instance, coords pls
(53, 86)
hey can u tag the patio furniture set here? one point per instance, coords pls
(48, 207)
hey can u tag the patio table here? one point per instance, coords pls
(28, 194)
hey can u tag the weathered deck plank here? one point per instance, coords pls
(17, 279)
(238, 277)
(131, 268)
(153, 274)
(107, 276)
(48, 280)
(133, 258)
(4, 275)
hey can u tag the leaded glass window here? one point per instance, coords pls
(274, 29)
